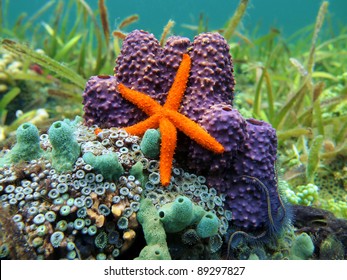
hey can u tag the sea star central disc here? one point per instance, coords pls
(168, 120)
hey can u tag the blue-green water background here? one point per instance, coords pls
(288, 16)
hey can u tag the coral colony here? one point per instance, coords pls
(161, 158)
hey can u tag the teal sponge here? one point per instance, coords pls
(65, 147)
(150, 144)
(177, 215)
(302, 247)
(137, 171)
(154, 232)
(107, 164)
(208, 225)
(28, 144)
(182, 213)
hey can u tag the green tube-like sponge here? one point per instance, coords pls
(65, 147)
(137, 171)
(302, 248)
(154, 232)
(107, 165)
(28, 144)
(150, 144)
(208, 225)
(177, 215)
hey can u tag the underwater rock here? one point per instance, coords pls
(323, 225)
(331, 249)
(90, 211)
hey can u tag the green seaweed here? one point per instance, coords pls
(319, 22)
(45, 61)
(235, 20)
(313, 158)
(5, 100)
(97, 31)
(67, 47)
(104, 21)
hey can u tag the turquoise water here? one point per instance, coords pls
(287, 16)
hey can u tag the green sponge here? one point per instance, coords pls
(28, 144)
(107, 164)
(65, 147)
(177, 215)
(208, 225)
(182, 213)
(150, 145)
(137, 171)
(302, 248)
(154, 232)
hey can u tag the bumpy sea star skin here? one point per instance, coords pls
(245, 172)
(168, 119)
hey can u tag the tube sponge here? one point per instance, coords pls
(150, 143)
(28, 144)
(107, 164)
(137, 171)
(180, 214)
(65, 147)
(208, 225)
(154, 232)
(302, 248)
(177, 215)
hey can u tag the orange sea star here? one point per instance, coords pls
(169, 120)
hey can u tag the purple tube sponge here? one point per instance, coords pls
(259, 155)
(229, 128)
(104, 106)
(211, 78)
(149, 68)
(170, 59)
(137, 66)
(256, 206)
(251, 182)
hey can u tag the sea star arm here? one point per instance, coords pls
(141, 100)
(141, 127)
(179, 85)
(194, 131)
(168, 144)
(169, 120)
